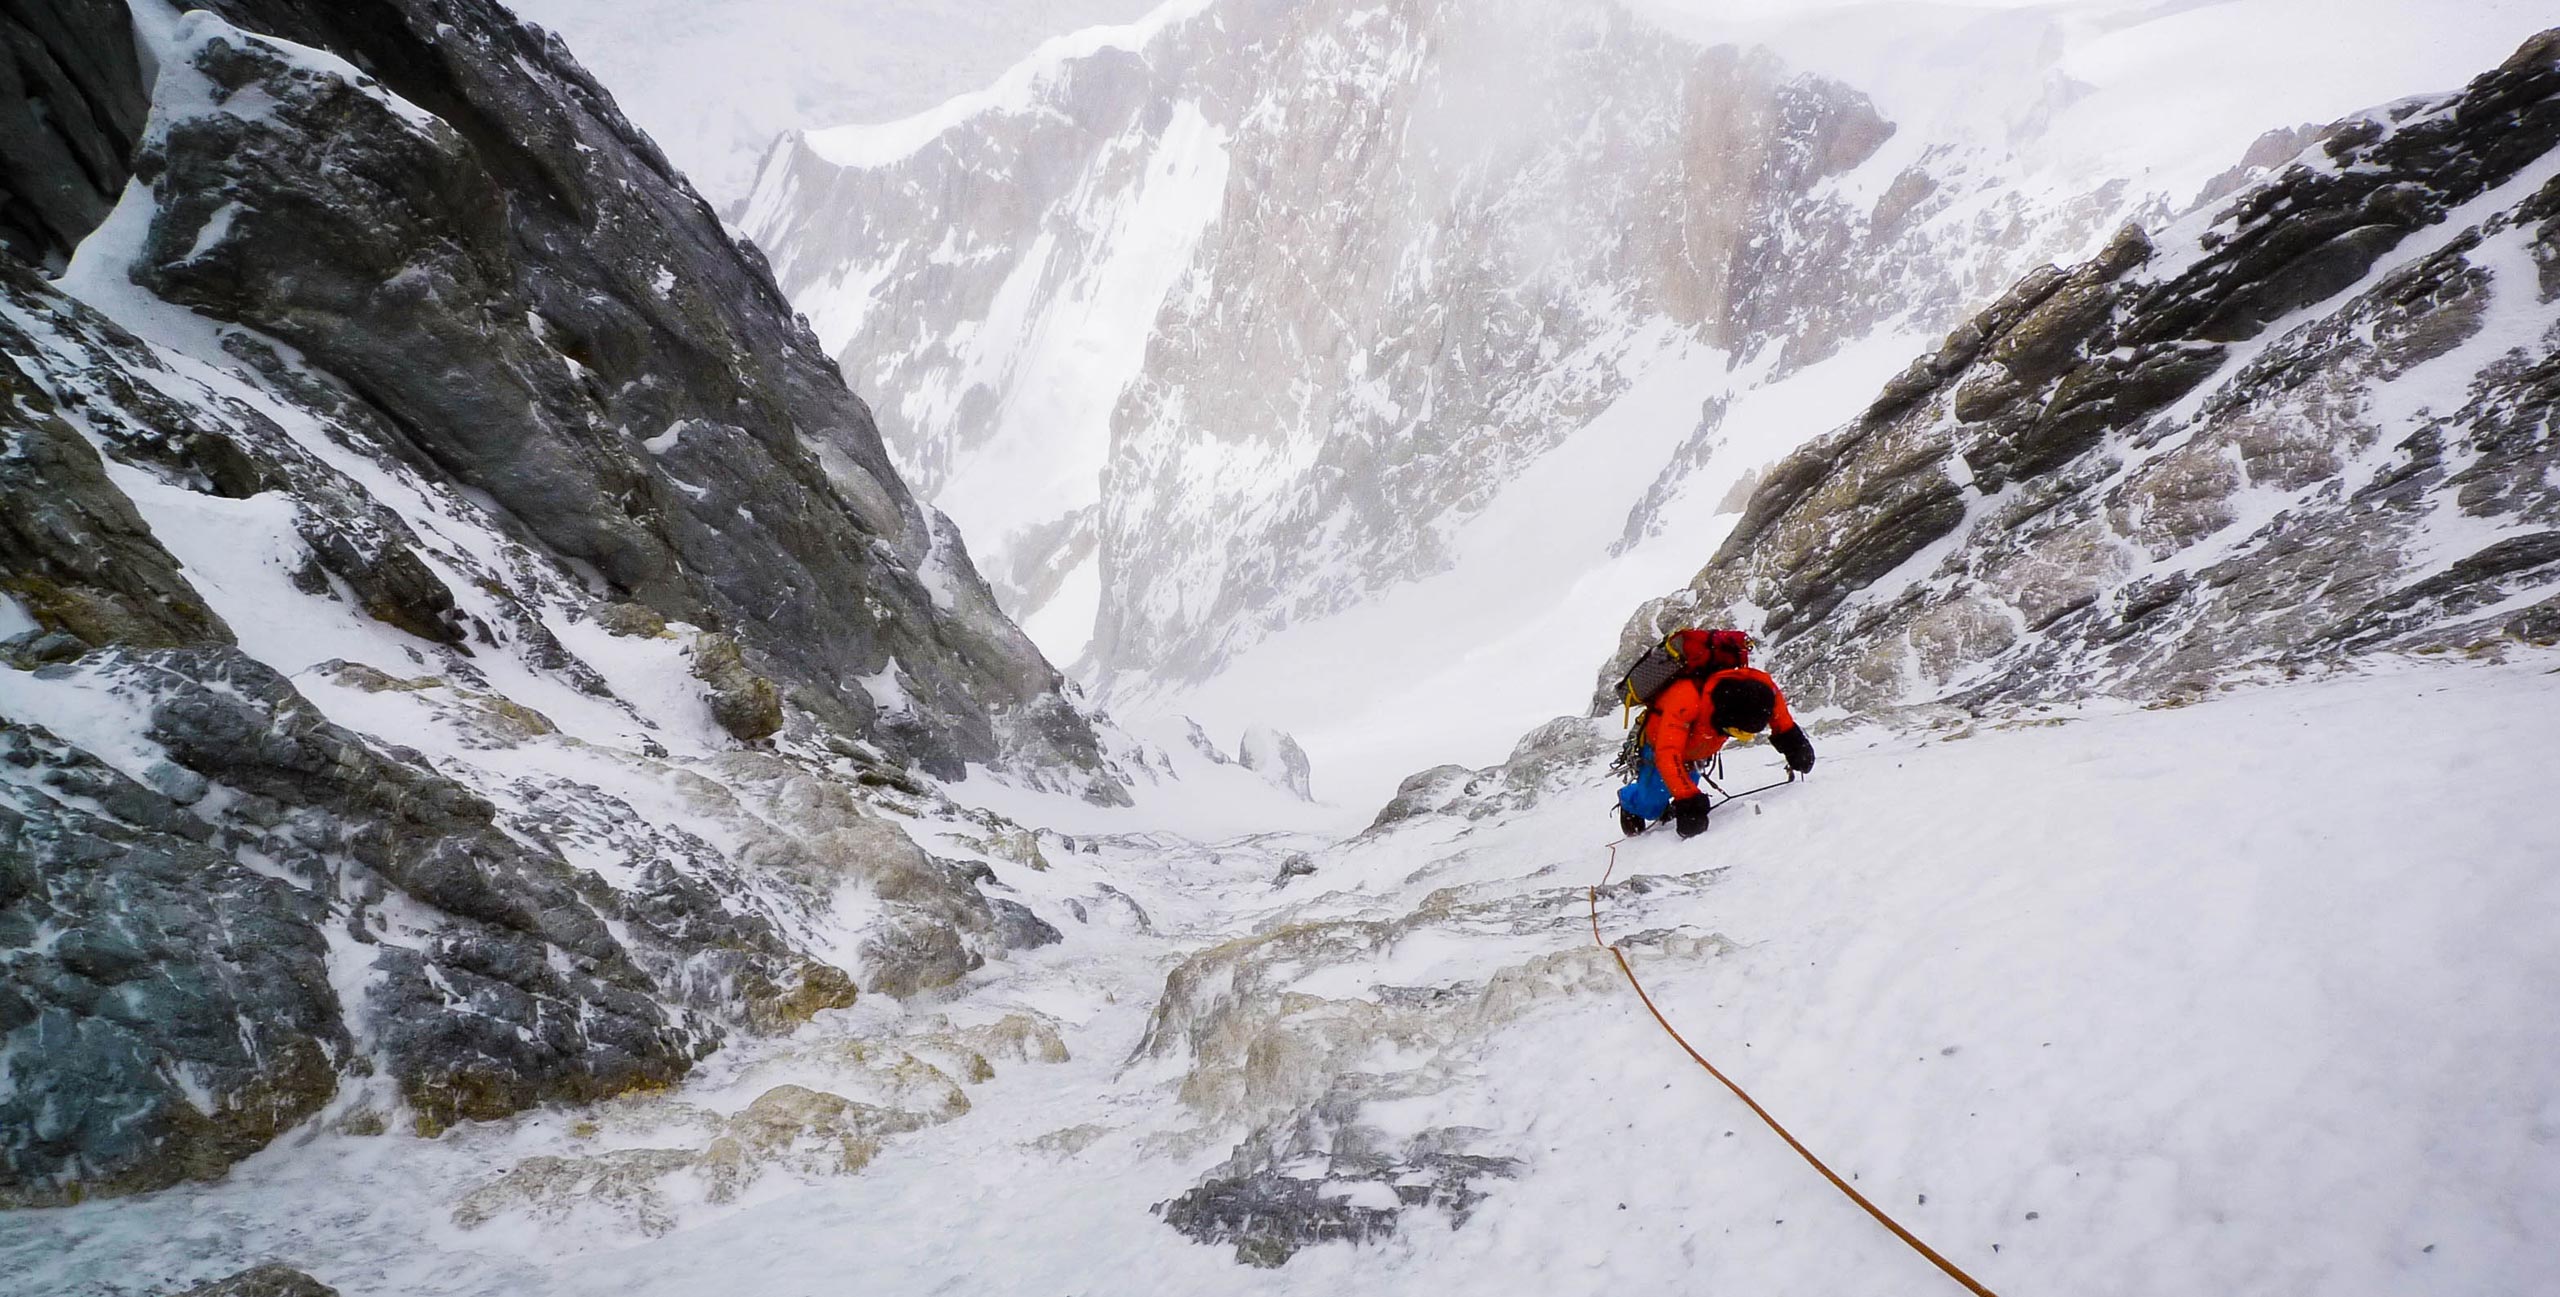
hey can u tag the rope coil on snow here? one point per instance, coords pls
(1952, 1271)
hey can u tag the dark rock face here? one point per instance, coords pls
(72, 549)
(476, 394)
(522, 294)
(520, 994)
(72, 102)
(1021, 929)
(268, 1280)
(2083, 488)
(1320, 1182)
(174, 968)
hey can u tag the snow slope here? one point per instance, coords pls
(1511, 631)
(2247, 997)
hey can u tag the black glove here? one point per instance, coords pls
(1795, 747)
(1690, 813)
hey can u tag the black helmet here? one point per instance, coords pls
(1740, 703)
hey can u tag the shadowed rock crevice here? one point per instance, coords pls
(72, 103)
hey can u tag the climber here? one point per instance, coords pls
(1714, 698)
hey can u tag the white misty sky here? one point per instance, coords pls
(714, 81)
(1761, 10)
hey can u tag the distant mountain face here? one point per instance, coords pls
(714, 81)
(1388, 256)
(2313, 420)
(1424, 313)
(1260, 336)
(455, 627)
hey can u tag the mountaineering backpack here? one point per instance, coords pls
(1693, 653)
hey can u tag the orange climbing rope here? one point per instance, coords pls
(1950, 1267)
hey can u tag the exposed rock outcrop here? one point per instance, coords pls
(788, 1130)
(1297, 1188)
(171, 966)
(746, 704)
(268, 1280)
(72, 104)
(514, 290)
(74, 553)
(2235, 442)
(516, 281)
(226, 1023)
(1546, 759)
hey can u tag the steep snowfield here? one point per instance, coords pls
(2244, 997)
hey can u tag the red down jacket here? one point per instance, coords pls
(1681, 731)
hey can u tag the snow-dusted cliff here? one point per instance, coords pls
(457, 634)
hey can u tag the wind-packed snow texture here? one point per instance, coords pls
(2244, 997)
(1471, 321)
